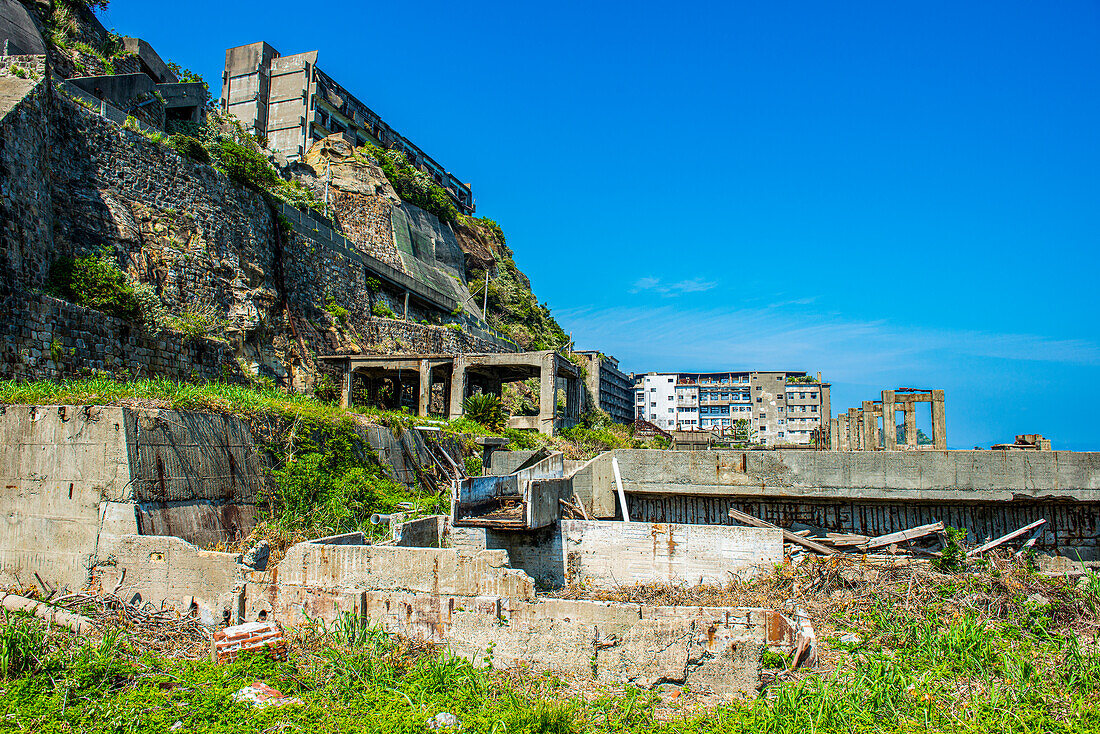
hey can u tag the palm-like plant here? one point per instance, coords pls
(485, 409)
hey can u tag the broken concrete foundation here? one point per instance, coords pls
(986, 493)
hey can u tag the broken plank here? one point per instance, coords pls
(1005, 538)
(746, 519)
(903, 536)
(1029, 543)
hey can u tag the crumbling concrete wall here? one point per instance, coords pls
(76, 478)
(66, 482)
(987, 493)
(712, 649)
(607, 555)
(170, 572)
(322, 580)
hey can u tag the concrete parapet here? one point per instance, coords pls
(607, 555)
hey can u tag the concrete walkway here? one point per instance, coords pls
(12, 91)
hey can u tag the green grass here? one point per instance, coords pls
(242, 400)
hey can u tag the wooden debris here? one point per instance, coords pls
(903, 536)
(746, 519)
(1005, 538)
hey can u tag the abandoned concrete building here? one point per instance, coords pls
(612, 389)
(874, 426)
(139, 85)
(291, 104)
(410, 380)
(778, 408)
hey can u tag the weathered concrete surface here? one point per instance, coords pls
(65, 477)
(423, 532)
(323, 580)
(712, 649)
(606, 555)
(170, 572)
(76, 478)
(988, 493)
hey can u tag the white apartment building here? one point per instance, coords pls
(655, 399)
(771, 408)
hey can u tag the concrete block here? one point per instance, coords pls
(170, 572)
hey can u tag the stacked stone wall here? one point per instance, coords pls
(25, 194)
(76, 183)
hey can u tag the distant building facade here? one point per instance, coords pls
(291, 103)
(778, 408)
(610, 387)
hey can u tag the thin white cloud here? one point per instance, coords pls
(666, 337)
(656, 285)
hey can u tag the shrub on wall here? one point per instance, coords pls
(189, 147)
(95, 281)
(243, 165)
(383, 311)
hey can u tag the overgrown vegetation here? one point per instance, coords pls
(487, 410)
(512, 308)
(95, 280)
(412, 184)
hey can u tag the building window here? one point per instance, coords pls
(760, 400)
(813, 408)
(653, 404)
(781, 434)
(653, 389)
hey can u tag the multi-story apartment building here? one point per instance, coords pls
(655, 399)
(608, 386)
(778, 408)
(291, 103)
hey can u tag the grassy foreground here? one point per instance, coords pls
(1006, 664)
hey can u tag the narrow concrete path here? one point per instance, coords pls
(12, 91)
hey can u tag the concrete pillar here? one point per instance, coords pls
(345, 385)
(889, 422)
(869, 443)
(939, 420)
(834, 434)
(425, 392)
(910, 409)
(548, 393)
(458, 387)
(853, 429)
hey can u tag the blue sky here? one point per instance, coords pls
(890, 194)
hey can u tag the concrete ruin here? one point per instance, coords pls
(410, 379)
(985, 493)
(873, 426)
(469, 600)
(77, 478)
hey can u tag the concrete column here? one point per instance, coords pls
(834, 434)
(345, 386)
(869, 443)
(458, 387)
(939, 420)
(910, 409)
(425, 393)
(889, 422)
(548, 393)
(853, 429)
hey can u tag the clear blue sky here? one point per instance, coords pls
(891, 194)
